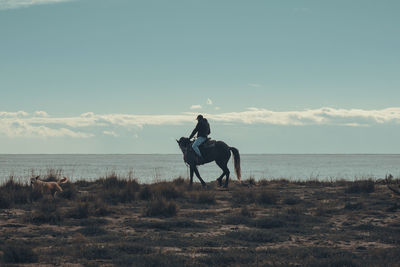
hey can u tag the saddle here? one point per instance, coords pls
(209, 143)
(205, 149)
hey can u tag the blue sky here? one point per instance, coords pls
(123, 76)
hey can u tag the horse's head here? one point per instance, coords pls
(183, 143)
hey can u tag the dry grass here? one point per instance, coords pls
(117, 221)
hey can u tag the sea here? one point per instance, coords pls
(149, 168)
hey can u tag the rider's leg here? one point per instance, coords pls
(196, 145)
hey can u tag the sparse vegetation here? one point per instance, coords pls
(117, 221)
(161, 207)
(18, 252)
(358, 187)
(267, 198)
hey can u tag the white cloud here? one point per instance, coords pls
(41, 114)
(195, 107)
(13, 114)
(112, 133)
(22, 124)
(11, 4)
(22, 128)
(209, 102)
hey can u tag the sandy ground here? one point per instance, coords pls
(251, 224)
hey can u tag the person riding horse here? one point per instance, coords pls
(203, 130)
(219, 152)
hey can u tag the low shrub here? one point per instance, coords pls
(47, 212)
(113, 181)
(146, 193)
(167, 224)
(94, 252)
(154, 259)
(367, 186)
(292, 200)
(14, 193)
(244, 211)
(244, 197)
(253, 236)
(18, 252)
(179, 181)
(69, 191)
(267, 198)
(166, 190)
(83, 183)
(5, 200)
(92, 230)
(269, 222)
(79, 211)
(84, 209)
(251, 181)
(353, 206)
(161, 207)
(205, 197)
(237, 219)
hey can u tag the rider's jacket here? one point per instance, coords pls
(202, 129)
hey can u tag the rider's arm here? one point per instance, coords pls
(194, 131)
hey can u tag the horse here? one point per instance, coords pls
(217, 151)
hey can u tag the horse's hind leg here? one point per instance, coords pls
(227, 176)
(224, 167)
(220, 179)
(196, 171)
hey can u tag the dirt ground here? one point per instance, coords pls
(114, 222)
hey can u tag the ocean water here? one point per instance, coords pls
(151, 168)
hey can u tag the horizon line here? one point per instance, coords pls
(4, 154)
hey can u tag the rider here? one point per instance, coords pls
(203, 130)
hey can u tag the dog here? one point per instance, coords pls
(48, 187)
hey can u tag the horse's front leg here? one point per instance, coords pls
(191, 175)
(196, 171)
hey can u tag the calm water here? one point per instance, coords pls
(150, 168)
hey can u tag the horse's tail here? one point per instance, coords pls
(236, 158)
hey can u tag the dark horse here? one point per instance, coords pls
(216, 151)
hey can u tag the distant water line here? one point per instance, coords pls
(153, 167)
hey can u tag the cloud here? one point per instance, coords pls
(22, 128)
(13, 114)
(12, 4)
(195, 107)
(256, 85)
(23, 124)
(41, 114)
(112, 133)
(209, 102)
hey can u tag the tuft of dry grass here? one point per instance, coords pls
(161, 207)
(357, 187)
(18, 252)
(267, 198)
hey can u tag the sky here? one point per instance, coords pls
(125, 76)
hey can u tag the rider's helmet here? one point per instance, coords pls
(200, 117)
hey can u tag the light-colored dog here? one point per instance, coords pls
(48, 187)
